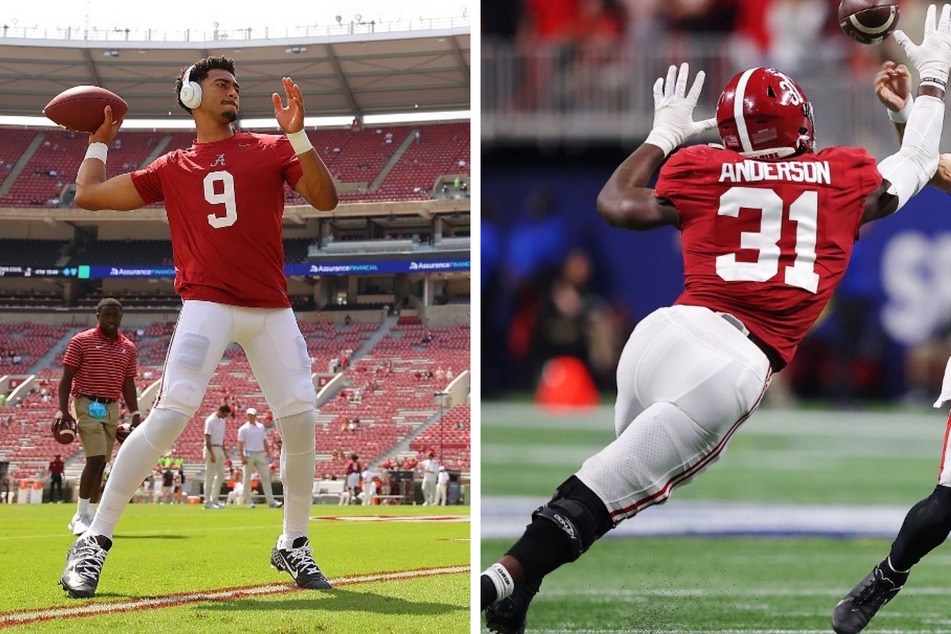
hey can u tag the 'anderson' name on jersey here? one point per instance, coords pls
(749, 171)
(767, 241)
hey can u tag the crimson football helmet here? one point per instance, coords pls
(764, 114)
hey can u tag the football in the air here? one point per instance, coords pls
(122, 432)
(81, 108)
(868, 21)
(64, 430)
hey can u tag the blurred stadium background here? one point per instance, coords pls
(566, 96)
(380, 286)
(846, 440)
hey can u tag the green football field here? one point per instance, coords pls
(799, 461)
(183, 569)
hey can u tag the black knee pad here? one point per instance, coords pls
(561, 515)
(580, 515)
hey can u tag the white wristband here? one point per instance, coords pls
(300, 142)
(97, 151)
(902, 115)
(135, 413)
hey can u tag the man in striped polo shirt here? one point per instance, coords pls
(99, 367)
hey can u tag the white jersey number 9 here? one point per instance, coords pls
(803, 211)
(225, 197)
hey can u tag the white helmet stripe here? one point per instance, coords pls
(738, 98)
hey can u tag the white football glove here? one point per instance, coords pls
(933, 57)
(673, 110)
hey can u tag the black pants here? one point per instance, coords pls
(56, 484)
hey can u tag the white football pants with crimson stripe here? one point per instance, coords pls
(686, 381)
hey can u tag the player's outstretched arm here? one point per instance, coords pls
(893, 89)
(93, 191)
(916, 162)
(625, 200)
(316, 186)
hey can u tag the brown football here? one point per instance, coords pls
(868, 21)
(81, 108)
(122, 432)
(64, 431)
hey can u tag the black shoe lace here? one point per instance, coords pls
(303, 561)
(90, 558)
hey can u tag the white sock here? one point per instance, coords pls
(92, 509)
(501, 579)
(82, 506)
(139, 453)
(298, 461)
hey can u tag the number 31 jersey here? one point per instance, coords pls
(225, 202)
(767, 241)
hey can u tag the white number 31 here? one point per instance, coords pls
(224, 197)
(803, 211)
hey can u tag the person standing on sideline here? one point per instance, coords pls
(352, 479)
(223, 195)
(215, 426)
(99, 368)
(442, 486)
(767, 224)
(56, 468)
(368, 487)
(429, 467)
(255, 453)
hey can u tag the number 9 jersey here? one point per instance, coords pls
(767, 241)
(225, 202)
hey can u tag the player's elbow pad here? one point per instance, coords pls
(910, 169)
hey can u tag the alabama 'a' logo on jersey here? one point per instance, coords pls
(219, 161)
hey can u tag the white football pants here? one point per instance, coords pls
(281, 365)
(686, 379)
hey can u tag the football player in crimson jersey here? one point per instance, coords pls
(928, 523)
(223, 195)
(767, 225)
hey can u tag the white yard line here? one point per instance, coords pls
(21, 617)
(506, 517)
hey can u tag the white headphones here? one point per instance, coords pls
(190, 94)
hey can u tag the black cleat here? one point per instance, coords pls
(300, 564)
(508, 615)
(853, 613)
(84, 565)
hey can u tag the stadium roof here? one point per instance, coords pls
(340, 75)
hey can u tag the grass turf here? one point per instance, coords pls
(727, 585)
(735, 585)
(172, 550)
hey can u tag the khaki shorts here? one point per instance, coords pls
(98, 435)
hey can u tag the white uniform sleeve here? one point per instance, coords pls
(910, 169)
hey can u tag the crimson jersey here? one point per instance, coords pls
(767, 241)
(102, 364)
(225, 201)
